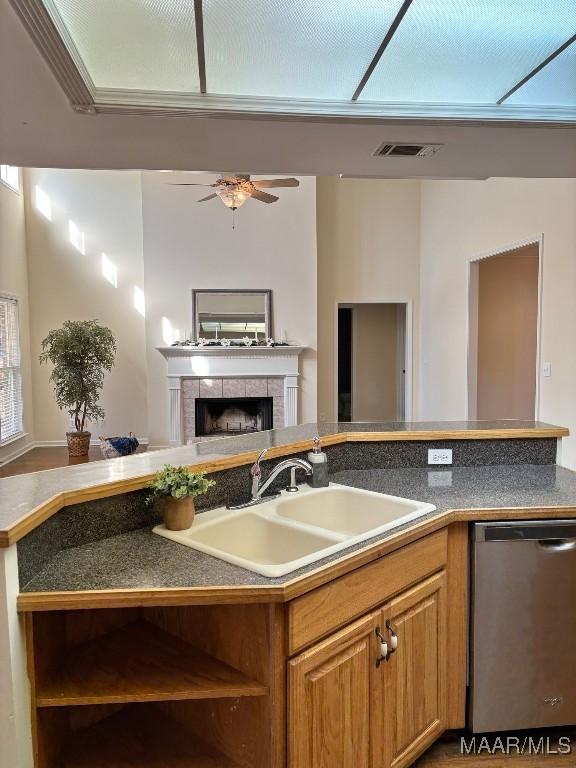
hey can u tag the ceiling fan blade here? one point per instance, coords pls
(208, 197)
(264, 197)
(268, 183)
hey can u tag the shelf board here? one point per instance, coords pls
(137, 663)
(137, 737)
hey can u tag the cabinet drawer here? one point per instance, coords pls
(335, 604)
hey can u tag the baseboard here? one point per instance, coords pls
(63, 443)
(17, 453)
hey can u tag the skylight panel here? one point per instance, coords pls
(555, 85)
(145, 45)
(295, 49)
(468, 51)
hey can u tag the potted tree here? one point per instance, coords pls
(81, 352)
(178, 487)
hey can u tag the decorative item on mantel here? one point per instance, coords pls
(244, 342)
(177, 487)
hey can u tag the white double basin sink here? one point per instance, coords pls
(296, 529)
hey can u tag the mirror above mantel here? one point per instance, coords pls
(231, 314)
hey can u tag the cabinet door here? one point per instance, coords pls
(332, 688)
(415, 674)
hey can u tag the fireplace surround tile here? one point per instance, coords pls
(210, 387)
(190, 388)
(257, 387)
(234, 388)
(278, 411)
(275, 387)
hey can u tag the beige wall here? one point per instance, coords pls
(189, 245)
(461, 220)
(507, 335)
(375, 349)
(14, 282)
(68, 285)
(368, 250)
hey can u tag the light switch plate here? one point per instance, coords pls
(439, 455)
(547, 369)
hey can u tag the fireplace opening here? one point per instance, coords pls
(233, 416)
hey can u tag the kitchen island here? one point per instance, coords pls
(140, 649)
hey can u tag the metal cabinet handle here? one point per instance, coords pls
(393, 638)
(383, 647)
(557, 545)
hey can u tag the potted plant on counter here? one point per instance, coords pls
(178, 487)
(81, 352)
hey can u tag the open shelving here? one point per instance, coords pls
(140, 662)
(139, 737)
(165, 687)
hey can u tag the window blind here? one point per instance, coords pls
(10, 374)
(10, 175)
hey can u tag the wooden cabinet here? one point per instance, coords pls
(205, 685)
(413, 715)
(347, 711)
(332, 690)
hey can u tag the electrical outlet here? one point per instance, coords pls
(439, 455)
(441, 479)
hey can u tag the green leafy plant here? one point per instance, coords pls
(178, 482)
(81, 352)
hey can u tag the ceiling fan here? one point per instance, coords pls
(235, 189)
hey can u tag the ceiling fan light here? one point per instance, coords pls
(233, 198)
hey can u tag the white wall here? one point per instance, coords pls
(464, 219)
(368, 250)
(189, 245)
(14, 282)
(68, 285)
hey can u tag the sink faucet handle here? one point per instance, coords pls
(255, 469)
(256, 474)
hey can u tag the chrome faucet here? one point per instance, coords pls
(259, 487)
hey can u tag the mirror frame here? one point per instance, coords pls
(265, 292)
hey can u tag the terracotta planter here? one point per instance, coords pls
(178, 513)
(78, 443)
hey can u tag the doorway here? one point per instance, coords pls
(373, 371)
(503, 337)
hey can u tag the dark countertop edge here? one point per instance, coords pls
(342, 432)
(281, 593)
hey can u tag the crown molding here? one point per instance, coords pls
(57, 49)
(156, 103)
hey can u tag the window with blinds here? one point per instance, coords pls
(10, 374)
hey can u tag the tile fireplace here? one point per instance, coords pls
(245, 388)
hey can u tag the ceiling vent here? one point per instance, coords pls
(406, 150)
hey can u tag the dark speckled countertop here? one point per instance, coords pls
(23, 496)
(142, 560)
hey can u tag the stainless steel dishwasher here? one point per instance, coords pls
(523, 641)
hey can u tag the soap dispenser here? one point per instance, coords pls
(319, 460)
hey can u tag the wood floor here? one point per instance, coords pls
(49, 458)
(447, 752)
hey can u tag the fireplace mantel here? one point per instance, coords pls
(208, 363)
